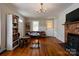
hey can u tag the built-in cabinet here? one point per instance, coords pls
(12, 32)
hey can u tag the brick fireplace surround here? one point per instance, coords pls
(72, 27)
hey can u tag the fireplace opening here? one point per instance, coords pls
(73, 43)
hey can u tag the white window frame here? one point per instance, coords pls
(35, 25)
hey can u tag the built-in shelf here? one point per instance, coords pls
(15, 33)
(15, 40)
(12, 32)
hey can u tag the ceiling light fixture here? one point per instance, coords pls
(42, 8)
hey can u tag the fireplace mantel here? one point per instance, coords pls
(67, 23)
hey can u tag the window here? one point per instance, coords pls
(20, 20)
(35, 26)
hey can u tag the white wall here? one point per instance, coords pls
(61, 20)
(0, 26)
(60, 27)
(50, 30)
(21, 27)
(55, 27)
(5, 10)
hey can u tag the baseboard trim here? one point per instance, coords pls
(2, 50)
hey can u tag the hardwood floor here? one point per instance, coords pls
(49, 47)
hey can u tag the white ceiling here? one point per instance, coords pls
(30, 9)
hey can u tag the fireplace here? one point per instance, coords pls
(73, 43)
(72, 31)
(73, 40)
